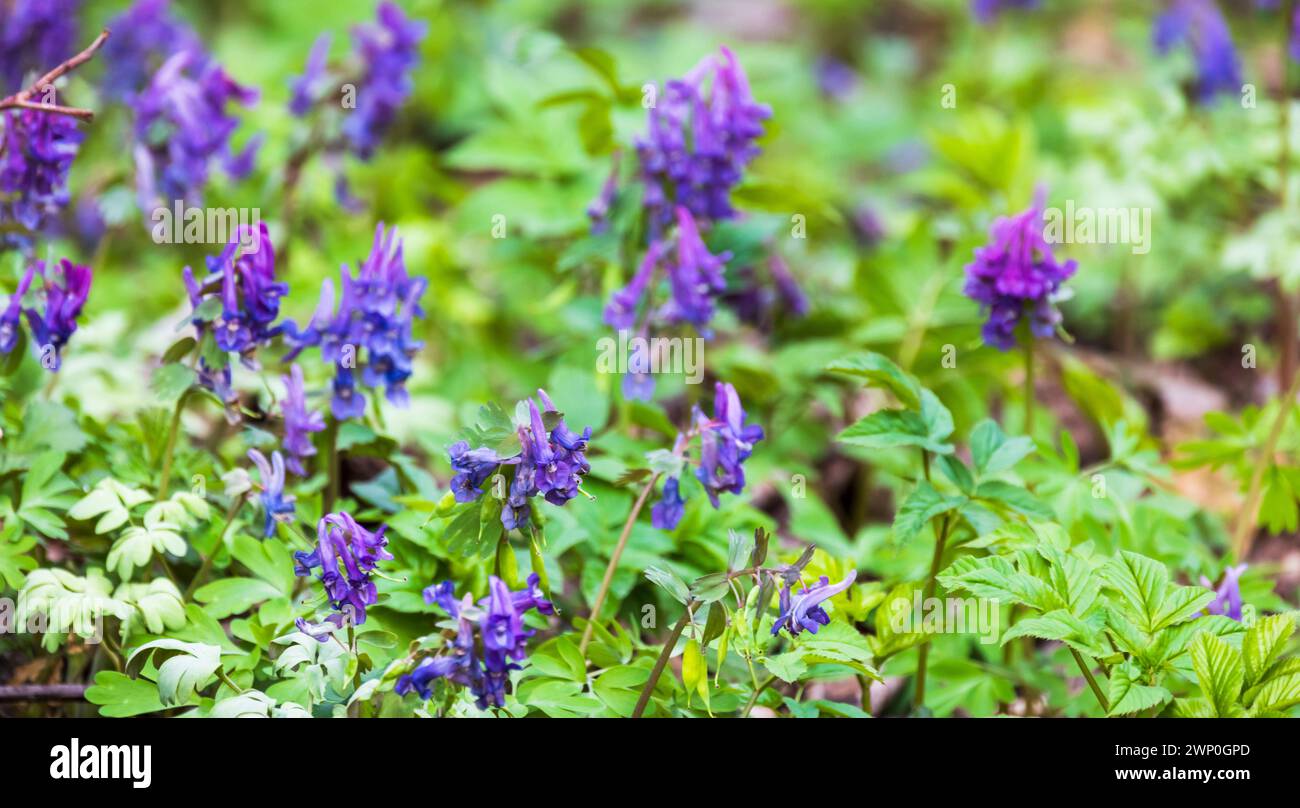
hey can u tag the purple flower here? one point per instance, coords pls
(726, 442)
(1227, 597)
(143, 37)
(389, 51)
(299, 422)
(802, 610)
(668, 511)
(1200, 25)
(275, 505)
(35, 156)
(307, 87)
(490, 641)
(1016, 277)
(473, 467)
(550, 463)
(11, 316)
(65, 294)
(987, 10)
(622, 308)
(244, 277)
(35, 36)
(375, 313)
(346, 555)
(700, 137)
(182, 127)
(695, 278)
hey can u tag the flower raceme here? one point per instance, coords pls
(144, 36)
(726, 442)
(35, 156)
(802, 611)
(276, 506)
(182, 128)
(549, 462)
(345, 558)
(65, 289)
(1016, 278)
(1227, 596)
(35, 35)
(236, 303)
(374, 313)
(490, 641)
(299, 422)
(699, 138)
(1200, 25)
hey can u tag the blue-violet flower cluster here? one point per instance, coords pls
(550, 462)
(1016, 277)
(345, 559)
(66, 289)
(1200, 25)
(276, 505)
(35, 155)
(802, 611)
(490, 641)
(726, 442)
(374, 313)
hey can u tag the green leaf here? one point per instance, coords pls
(881, 372)
(111, 501)
(1264, 643)
(171, 381)
(45, 490)
(13, 562)
(183, 668)
(1221, 673)
(1128, 695)
(670, 581)
(120, 696)
(922, 505)
(991, 451)
(787, 667)
(230, 596)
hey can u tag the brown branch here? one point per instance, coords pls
(42, 692)
(22, 99)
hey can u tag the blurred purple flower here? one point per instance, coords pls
(11, 317)
(668, 511)
(701, 134)
(35, 156)
(1016, 277)
(1200, 25)
(275, 505)
(802, 611)
(389, 50)
(66, 291)
(35, 36)
(726, 442)
(1227, 596)
(182, 127)
(144, 36)
(306, 89)
(987, 10)
(299, 421)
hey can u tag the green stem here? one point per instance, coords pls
(206, 567)
(354, 710)
(923, 654)
(172, 432)
(661, 663)
(229, 682)
(331, 463)
(758, 691)
(1092, 683)
(1029, 385)
(603, 592)
(1245, 527)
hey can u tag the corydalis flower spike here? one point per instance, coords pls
(1016, 278)
(275, 505)
(802, 611)
(299, 421)
(1227, 596)
(66, 292)
(1200, 25)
